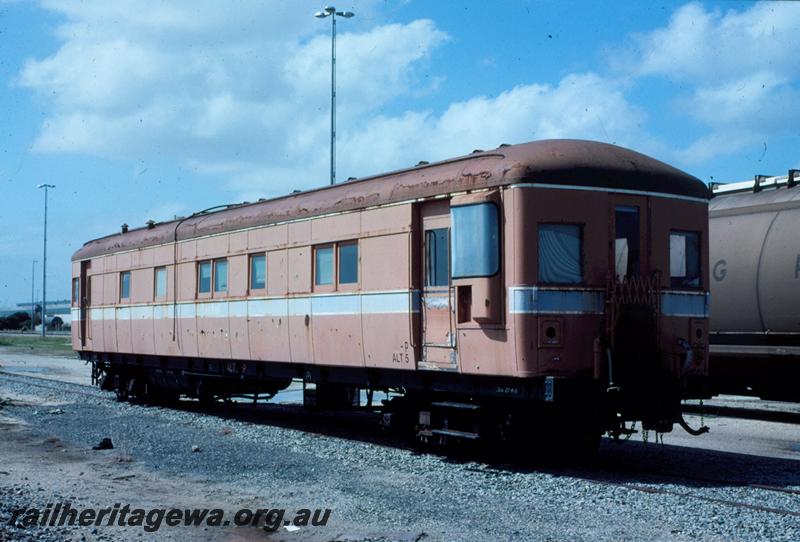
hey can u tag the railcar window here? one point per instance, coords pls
(76, 291)
(437, 257)
(258, 271)
(221, 275)
(348, 263)
(684, 259)
(560, 254)
(323, 265)
(161, 282)
(204, 277)
(626, 246)
(476, 240)
(125, 285)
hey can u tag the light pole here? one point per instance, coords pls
(44, 260)
(330, 11)
(33, 296)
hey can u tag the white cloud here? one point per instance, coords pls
(241, 92)
(188, 84)
(583, 106)
(739, 69)
(708, 46)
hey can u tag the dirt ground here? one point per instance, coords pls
(45, 469)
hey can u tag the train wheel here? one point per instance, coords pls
(206, 398)
(121, 393)
(161, 396)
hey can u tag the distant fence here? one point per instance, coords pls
(65, 333)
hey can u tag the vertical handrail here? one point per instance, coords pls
(411, 291)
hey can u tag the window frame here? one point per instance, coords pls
(208, 293)
(328, 287)
(581, 254)
(699, 235)
(336, 285)
(451, 252)
(250, 287)
(214, 275)
(212, 292)
(122, 297)
(426, 259)
(346, 286)
(156, 295)
(76, 291)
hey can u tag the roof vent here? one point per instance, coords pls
(124, 228)
(262, 199)
(151, 224)
(503, 145)
(422, 163)
(793, 177)
(476, 151)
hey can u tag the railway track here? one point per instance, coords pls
(723, 502)
(744, 413)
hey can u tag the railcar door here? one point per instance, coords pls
(438, 304)
(84, 302)
(635, 323)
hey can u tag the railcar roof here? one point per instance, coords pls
(742, 202)
(566, 162)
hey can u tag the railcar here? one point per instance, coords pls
(755, 268)
(558, 282)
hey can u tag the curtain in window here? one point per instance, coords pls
(560, 254)
(684, 259)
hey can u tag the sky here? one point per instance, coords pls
(141, 110)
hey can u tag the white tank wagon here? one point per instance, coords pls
(755, 287)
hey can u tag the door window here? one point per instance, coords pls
(437, 257)
(626, 244)
(476, 240)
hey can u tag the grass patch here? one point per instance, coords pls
(36, 344)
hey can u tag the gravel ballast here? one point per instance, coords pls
(378, 489)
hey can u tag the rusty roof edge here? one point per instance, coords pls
(300, 193)
(521, 166)
(190, 229)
